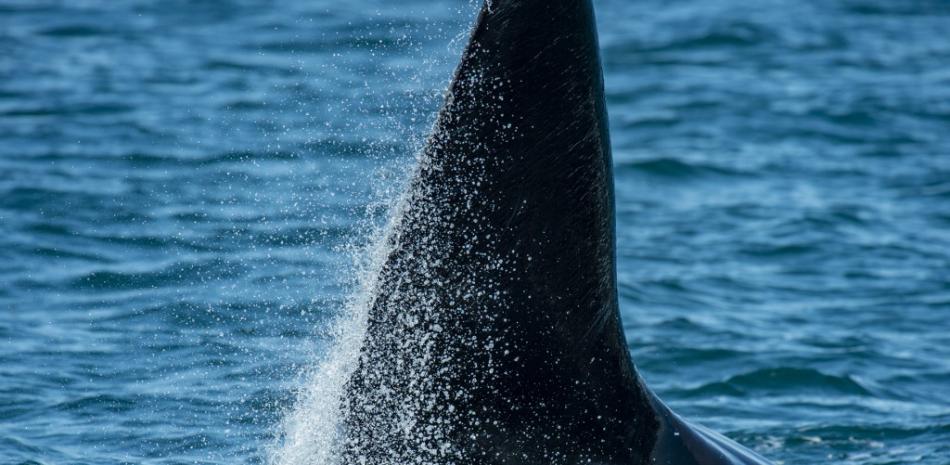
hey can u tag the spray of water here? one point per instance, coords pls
(312, 431)
(380, 396)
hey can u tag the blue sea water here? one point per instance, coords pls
(184, 187)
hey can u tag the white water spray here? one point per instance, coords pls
(311, 432)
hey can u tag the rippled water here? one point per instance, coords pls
(182, 184)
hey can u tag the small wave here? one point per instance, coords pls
(10, 442)
(738, 35)
(177, 444)
(97, 404)
(660, 119)
(682, 324)
(777, 380)
(171, 275)
(734, 34)
(889, 8)
(675, 168)
(36, 198)
(90, 109)
(16, 405)
(60, 252)
(939, 190)
(871, 430)
(259, 67)
(243, 103)
(779, 250)
(52, 229)
(75, 30)
(694, 355)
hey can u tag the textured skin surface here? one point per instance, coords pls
(495, 336)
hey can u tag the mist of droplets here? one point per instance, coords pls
(310, 431)
(398, 376)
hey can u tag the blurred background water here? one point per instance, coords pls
(182, 184)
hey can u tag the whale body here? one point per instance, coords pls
(493, 336)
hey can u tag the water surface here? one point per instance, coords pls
(181, 183)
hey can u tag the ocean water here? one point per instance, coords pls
(186, 188)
